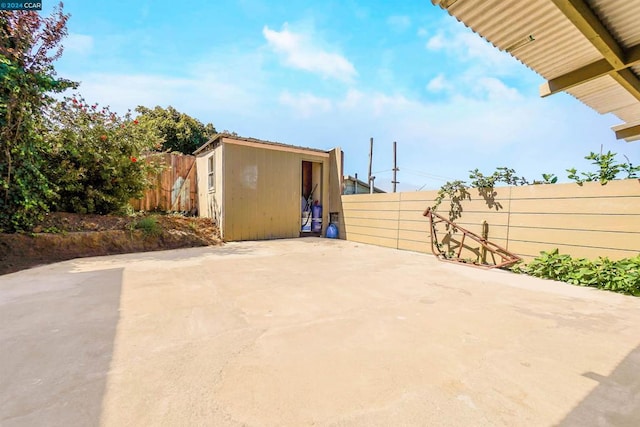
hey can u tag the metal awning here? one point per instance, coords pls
(589, 49)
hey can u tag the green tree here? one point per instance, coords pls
(178, 131)
(29, 44)
(98, 160)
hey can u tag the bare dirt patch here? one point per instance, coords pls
(63, 236)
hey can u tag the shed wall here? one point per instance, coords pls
(210, 201)
(262, 192)
(336, 169)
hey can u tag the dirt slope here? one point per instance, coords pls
(63, 236)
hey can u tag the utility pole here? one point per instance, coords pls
(355, 185)
(371, 177)
(395, 167)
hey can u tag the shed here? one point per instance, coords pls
(258, 190)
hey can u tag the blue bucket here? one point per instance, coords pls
(316, 218)
(332, 231)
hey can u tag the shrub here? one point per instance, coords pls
(29, 45)
(149, 226)
(96, 157)
(621, 276)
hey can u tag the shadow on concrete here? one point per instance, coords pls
(615, 401)
(56, 346)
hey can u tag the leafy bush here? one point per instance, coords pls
(619, 276)
(96, 157)
(29, 44)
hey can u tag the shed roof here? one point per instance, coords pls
(589, 49)
(231, 138)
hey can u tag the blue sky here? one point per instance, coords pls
(335, 73)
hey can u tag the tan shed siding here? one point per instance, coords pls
(326, 201)
(220, 190)
(335, 188)
(201, 167)
(263, 191)
(588, 221)
(211, 202)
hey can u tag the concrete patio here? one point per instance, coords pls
(310, 332)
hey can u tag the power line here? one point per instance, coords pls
(429, 175)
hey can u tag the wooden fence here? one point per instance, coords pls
(588, 221)
(175, 188)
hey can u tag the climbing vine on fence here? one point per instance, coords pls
(607, 168)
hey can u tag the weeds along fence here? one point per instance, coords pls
(583, 221)
(174, 189)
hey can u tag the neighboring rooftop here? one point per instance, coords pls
(219, 136)
(590, 50)
(353, 185)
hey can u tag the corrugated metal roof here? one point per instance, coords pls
(604, 95)
(505, 22)
(629, 114)
(559, 46)
(622, 19)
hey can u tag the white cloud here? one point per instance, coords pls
(305, 104)
(212, 88)
(474, 68)
(387, 105)
(78, 43)
(495, 90)
(203, 95)
(351, 100)
(301, 52)
(399, 22)
(436, 42)
(467, 46)
(461, 122)
(437, 84)
(477, 48)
